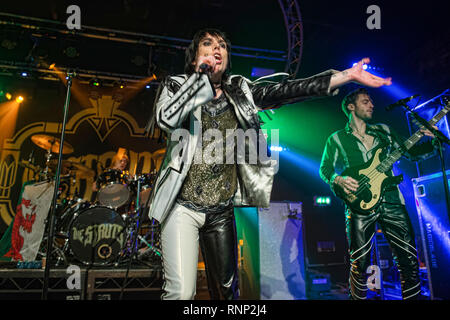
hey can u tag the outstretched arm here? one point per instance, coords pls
(357, 74)
(325, 83)
(276, 94)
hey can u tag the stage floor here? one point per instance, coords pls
(105, 283)
(96, 283)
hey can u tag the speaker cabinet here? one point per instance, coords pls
(435, 231)
(324, 236)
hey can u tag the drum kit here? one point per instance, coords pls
(108, 231)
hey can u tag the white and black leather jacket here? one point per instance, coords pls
(178, 107)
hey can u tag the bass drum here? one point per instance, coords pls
(97, 236)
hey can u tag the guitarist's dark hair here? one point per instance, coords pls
(351, 98)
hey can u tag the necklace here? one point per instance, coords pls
(363, 137)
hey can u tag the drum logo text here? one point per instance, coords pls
(93, 234)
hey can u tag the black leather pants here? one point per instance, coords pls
(219, 250)
(181, 235)
(394, 221)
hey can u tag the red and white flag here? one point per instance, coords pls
(29, 222)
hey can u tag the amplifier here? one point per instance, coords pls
(435, 231)
(317, 283)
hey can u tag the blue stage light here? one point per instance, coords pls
(261, 72)
(302, 162)
(365, 66)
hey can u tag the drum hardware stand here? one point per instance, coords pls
(70, 75)
(61, 253)
(134, 236)
(133, 239)
(150, 246)
(49, 156)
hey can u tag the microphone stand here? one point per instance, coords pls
(51, 217)
(440, 139)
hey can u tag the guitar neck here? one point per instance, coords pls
(386, 164)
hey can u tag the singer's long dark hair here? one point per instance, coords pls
(191, 51)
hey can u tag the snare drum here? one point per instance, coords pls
(97, 236)
(114, 191)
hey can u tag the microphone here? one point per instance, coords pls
(204, 67)
(401, 102)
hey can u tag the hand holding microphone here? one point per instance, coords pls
(205, 64)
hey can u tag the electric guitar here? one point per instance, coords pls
(372, 176)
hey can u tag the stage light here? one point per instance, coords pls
(120, 84)
(366, 66)
(147, 86)
(95, 82)
(277, 148)
(24, 74)
(260, 72)
(8, 96)
(52, 66)
(320, 201)
(19, 99)
(71, 52)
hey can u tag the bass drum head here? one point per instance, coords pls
(97, 236)
(113, 195)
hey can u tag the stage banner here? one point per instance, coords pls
(28, 226)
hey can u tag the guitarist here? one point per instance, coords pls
(355, 145)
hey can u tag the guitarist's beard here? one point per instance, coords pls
(364, 115)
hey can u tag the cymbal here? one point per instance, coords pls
(48, 142)
(81, 171)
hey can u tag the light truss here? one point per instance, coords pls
(40, 26)
(294, 29)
